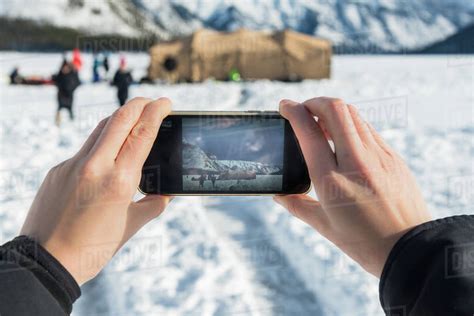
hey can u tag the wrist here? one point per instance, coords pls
(34, 257)
(71, 259)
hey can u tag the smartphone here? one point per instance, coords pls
(225, 153)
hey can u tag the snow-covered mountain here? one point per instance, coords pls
(353, 25)
(195, 159)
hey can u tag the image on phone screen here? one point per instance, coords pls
(227, 154)
(232, 154)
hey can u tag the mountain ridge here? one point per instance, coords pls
(363, 26)
(196, 161)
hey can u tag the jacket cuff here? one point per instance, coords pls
(32, 256)
(422, 253)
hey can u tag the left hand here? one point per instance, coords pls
(83, 212)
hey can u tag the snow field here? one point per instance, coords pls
(244, 256)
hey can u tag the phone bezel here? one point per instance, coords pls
(269, 114)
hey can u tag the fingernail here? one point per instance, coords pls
(277, 199)
(285, 106)
(287, 102)
(284, 102)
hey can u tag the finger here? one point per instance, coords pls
(361, 126)
(307, 209)
(136, 148)
(318, 154)
(91, 140)
(325, 130)
(117, 129)
(378, 139)
(338, 120)
(143, 211)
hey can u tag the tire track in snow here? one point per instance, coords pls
(196, 274)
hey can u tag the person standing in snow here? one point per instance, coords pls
(213, 179)
(122, 80)
(15, 77)
(67, 80)
(77, 59)
(201, 181)
(95, 69)
(105, 64)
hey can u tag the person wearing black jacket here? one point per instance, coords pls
(15, 77)
(122, 80)
(67, 80)
(378, 216)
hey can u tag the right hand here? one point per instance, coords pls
(368, 196)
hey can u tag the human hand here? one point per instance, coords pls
(368, 197)
(83, 212)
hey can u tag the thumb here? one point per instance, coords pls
(284, 106)
(306, 209)
(143, 211)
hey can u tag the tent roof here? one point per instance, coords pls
(209, 42)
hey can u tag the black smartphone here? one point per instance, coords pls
(225, 153)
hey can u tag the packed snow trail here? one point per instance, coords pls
(244, 256)
(237, 220)
(178, 265)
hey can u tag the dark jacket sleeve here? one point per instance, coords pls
(116, 79)
(129, 78)
(33, 282)
(430, 270)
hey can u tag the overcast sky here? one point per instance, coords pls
(246, 139)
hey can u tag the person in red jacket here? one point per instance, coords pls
(77, 59)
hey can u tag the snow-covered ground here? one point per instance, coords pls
(244, 255)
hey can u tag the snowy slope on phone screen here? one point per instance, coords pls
(243, 256)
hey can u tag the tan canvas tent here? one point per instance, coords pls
(285, 55)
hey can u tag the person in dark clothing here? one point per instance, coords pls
(122, 80)
(379, 218)
(202, 178)
(95, 69)
(213, 179)
(105, 64)
(15, 77)
(67, 80)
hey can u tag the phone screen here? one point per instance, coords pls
(224, 154)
